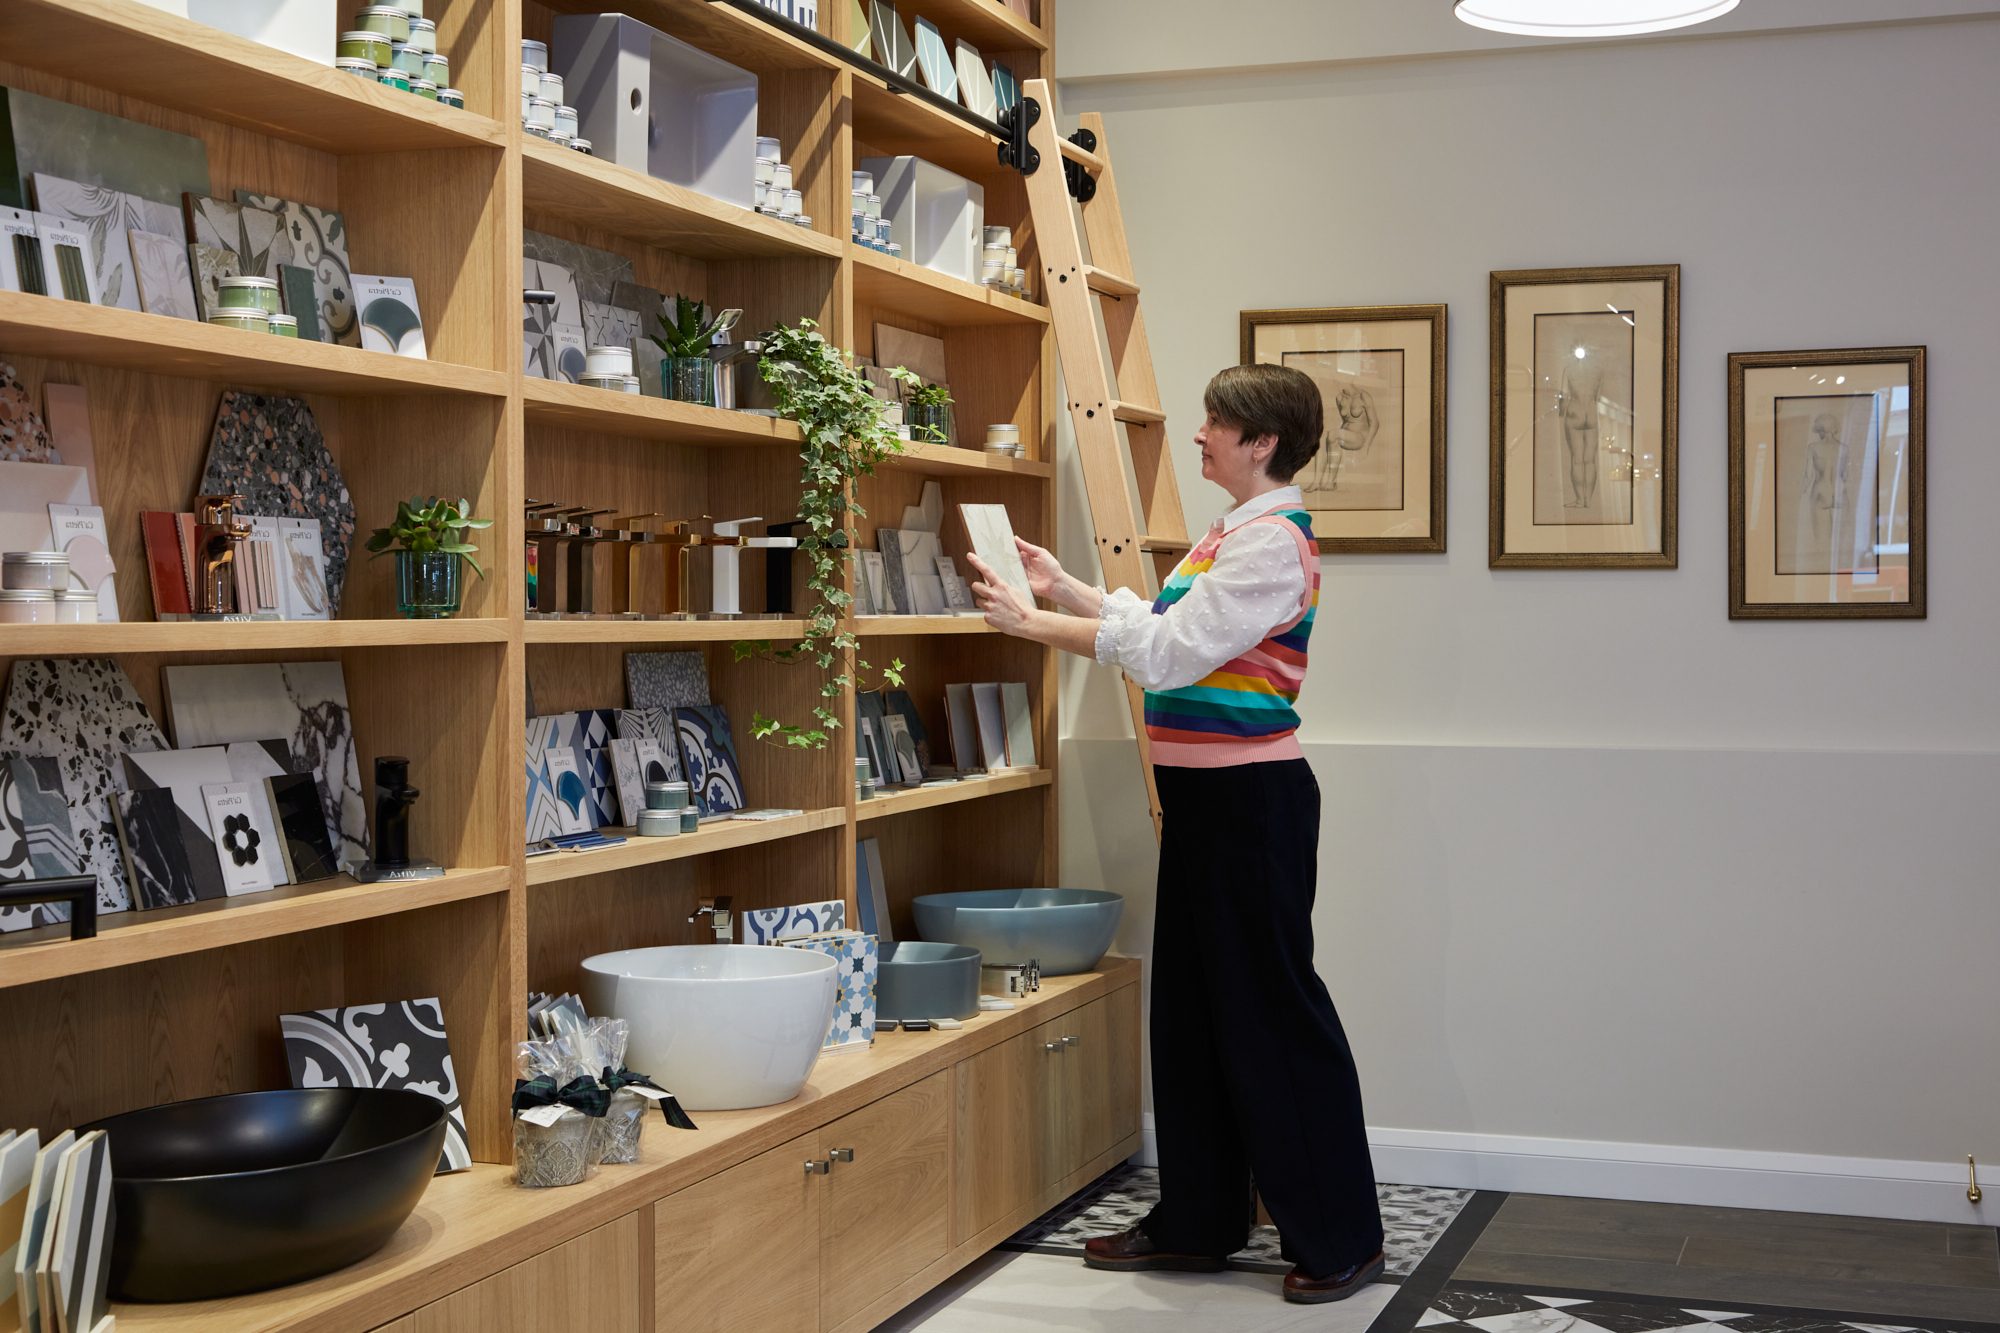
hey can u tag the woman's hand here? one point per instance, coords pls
(1048, 579)
(1006, 609)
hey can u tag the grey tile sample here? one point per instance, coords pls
(101, 213)
(256, 236)
(77, 143)
(934, 59)
(893, 46)
(666, 680)
(975, 85)
(302, 302)
(270, 450)
(166, 286)
(208, 265)
(596, 272)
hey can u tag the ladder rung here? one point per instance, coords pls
(1165, 545)
(1083, 157)
(1133, 414)
(1107, 283)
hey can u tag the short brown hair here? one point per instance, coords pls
(1271, 400)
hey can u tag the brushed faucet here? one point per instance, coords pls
(714, 913)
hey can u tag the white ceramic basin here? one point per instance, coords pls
(721, 1026)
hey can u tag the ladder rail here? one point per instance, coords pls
(1094, 304)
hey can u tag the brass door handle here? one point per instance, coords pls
(842, 1154)
(821, 1168)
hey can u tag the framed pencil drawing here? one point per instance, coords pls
(1377, 483)
(1584, 418)
(1826, 484)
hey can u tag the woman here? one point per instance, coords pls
(1251, 1071)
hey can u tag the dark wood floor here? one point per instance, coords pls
(1718, 1255)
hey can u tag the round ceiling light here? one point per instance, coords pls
(1588, 18)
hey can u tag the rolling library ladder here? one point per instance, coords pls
(1114, 404)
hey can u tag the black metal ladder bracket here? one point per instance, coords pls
(1015, 150)
(1082, 185)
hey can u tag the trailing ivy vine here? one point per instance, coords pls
(845, 437)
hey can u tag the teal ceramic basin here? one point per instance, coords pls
(1065, 930)
(923, 980)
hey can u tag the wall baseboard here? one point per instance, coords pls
(1716, 1177)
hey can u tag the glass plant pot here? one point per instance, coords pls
(428, 584)
(688, 379)
(929, 425)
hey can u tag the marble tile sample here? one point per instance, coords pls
(83, 713)
(318, 239)
(159, 862)
(269, 449)
(209, 265)
(181, 774)
(934, 59)
(64, 139)
(666, 680)
(975, 86)
(24, 435)
(992, 536)
(595, 273)
(36, 837)
(305, 704)
(401, 1045)
(708, 758)
(166, 287)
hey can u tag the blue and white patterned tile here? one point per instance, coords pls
(773, 925)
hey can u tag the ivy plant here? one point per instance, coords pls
(430, 526)
(845, 437)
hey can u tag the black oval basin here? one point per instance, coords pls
(224, 1195)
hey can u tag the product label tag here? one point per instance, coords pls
(650, 1094)
(545, 1116)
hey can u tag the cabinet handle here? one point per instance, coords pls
(1072, 1041)
(842, 1154)
(1052, 1047)
(819, 1168)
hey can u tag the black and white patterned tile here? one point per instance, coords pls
(1413, 1218)
(399, 1045)
(1470, 1308)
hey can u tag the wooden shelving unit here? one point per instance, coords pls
(187, 999)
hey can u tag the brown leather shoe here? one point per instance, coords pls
(1303, 1290)
(1131, 1251)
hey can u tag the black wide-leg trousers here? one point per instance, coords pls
(1252, 1075)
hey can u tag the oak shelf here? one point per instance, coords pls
(176, 62)
(137, 937)
(874, 626)
(661, 631)
(896, 286)
(987, 24)
(887, 122)
(187, 636)
(965, 789)
(950, 460)
(46, 326)
(555, 403)
(589, 191)
(719, 836)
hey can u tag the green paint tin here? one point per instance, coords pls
(391, 21)
(363, 67)
(423, 34)
(393, 78)
(250, 321)
(285, 326)
(408, 59)
(425, 89)
(370, 46)
(438, 70)
(451, 97)
(242, 292)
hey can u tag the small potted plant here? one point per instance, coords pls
(688, 374)
(428, 538)
(927, 410)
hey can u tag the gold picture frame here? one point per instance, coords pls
(1826, 484)
(1584, 418)
(1377, 486)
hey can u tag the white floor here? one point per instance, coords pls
(1006, 1291)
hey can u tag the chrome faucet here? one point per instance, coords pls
(714, 914)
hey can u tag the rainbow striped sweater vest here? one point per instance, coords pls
(1240, 713)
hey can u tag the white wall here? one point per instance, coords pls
(1599, 865)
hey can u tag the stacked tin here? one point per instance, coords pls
(396, 45)
(869, 227)
(544, 113)
(773, 191)
(999, 265)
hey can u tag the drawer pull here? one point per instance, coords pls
(842, 1154)
(1052, 1047)
(821, 1168)
(1072, 1041)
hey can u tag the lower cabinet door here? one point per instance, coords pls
(1008, 1142)
(741, 1250)
(886, 1208)
(596, 1281)
(1101, 1064)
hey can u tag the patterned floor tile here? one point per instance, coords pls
(1413, 1217)
(1471, 1307)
